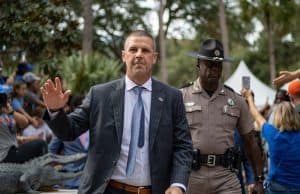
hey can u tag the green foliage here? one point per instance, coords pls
(284, 17)
(182, 68)
(80, 73)
(44, 29)
(113, 21)
(49, 29)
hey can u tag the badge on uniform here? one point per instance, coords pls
(191, 107)
(225, 108)
(189, 103)
(230, 102)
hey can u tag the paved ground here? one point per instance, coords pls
(62, 191)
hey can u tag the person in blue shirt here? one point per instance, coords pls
(17, 103)
(79, 145)
(58, 146)
(283, 138)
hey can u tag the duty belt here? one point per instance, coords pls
(212, 159)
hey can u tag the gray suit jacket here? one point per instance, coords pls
(170, 144)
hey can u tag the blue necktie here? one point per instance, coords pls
(137, 130)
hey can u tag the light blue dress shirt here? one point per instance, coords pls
(141, 174)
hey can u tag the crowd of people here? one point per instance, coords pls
(143, 136)
(24, 132)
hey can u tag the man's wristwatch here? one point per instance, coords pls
(260, 178)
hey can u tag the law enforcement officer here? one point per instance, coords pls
(213, 112)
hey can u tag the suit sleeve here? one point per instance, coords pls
(182, 144)
(69, 127)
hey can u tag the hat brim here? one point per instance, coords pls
(217, 59)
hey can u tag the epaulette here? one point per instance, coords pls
(232, 90)
(187, 84)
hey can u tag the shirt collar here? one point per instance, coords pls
(197, 88)
(129, 84)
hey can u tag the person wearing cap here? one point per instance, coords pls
(294, 94)
(22, 69)
(32, 98)
(214, 111)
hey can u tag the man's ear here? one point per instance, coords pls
(123, 56)
(155, 56)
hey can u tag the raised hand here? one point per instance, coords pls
(246, 93)
(286, 76)
(53, 95)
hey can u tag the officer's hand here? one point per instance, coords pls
(250, 188)
(174, 190)
(258, 188)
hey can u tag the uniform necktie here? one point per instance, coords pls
(137, 130)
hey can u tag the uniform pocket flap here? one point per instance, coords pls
(193, 108)
(234, 112)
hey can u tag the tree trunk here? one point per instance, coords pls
(162, 43)
(87, 42)
(271, 49)
(225, 41)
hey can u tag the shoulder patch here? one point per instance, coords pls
(187, 84)
(229, 88)
(232, 90)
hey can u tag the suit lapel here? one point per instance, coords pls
(118, 107)
(157, 102)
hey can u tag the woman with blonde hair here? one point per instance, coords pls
(283, 139)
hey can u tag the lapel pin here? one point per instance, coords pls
(160, 99)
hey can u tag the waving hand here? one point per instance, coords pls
(53, 95)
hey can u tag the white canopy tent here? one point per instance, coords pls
(285, 86)
(261, 91)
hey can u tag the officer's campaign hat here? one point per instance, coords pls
(211, 50)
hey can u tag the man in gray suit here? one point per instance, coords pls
(163, 157)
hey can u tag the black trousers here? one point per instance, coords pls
(26, 151)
